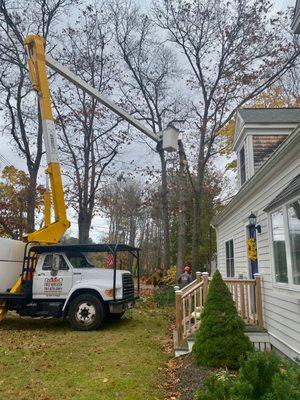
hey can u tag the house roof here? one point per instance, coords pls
(287, 193)
(270, 115)
(265, 117)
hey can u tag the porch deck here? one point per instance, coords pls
(190, 300)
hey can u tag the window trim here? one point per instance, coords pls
(229, 258)
(245, 173)
(290, 285)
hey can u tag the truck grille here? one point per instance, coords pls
(128, 287)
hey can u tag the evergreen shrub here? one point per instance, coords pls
(263, 376)
(221, 341)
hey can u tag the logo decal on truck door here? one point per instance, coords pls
(53, 285)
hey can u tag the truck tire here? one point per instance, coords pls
(86, 312)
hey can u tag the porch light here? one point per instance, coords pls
(252, 222)
(252, 219)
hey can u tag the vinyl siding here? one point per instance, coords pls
(281, 307)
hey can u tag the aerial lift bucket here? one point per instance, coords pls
(170, 138)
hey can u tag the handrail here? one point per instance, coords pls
(192, 284)
(192, 289)
(234, 280)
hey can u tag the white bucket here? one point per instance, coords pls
(170, 138)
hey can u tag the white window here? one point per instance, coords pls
(293, 212)
(286, 244)
(279, 252)
(229, 259)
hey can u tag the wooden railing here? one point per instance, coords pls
(190, 300)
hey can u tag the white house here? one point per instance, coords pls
(267, 143)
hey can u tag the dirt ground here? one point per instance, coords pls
(185, 378)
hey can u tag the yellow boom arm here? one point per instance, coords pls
(52, 232)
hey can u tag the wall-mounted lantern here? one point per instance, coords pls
(252, 222)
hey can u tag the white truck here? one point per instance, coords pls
(60, 280)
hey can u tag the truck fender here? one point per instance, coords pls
(79, 289)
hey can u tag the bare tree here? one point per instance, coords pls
(90, 139)
(147, 86)
(182, 208)
(20, 109)
(123, 204)
(234, 50)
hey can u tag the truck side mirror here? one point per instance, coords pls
(55, 264)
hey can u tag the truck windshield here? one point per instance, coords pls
(78, 260)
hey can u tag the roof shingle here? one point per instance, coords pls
(270, 115)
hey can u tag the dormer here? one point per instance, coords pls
(258, 133)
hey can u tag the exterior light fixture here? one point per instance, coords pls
(252, 222)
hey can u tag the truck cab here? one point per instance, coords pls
(68, 281)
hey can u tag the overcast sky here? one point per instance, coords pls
(282, 4)
(100, 225)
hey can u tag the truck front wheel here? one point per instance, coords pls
(86, 312)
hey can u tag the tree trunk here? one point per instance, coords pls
(165, 210)
(182, 209)
(198, 187)
(21, 218)
(31, 201)
(84, 226)
(132, 237)
(197, 223)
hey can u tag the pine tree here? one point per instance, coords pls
(221, 341)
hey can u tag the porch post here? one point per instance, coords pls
(260, 321)
(205, 276)
(178, 303)
(198, 276)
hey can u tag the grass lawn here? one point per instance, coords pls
(46, 360)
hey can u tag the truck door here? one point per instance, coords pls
(53, 278)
